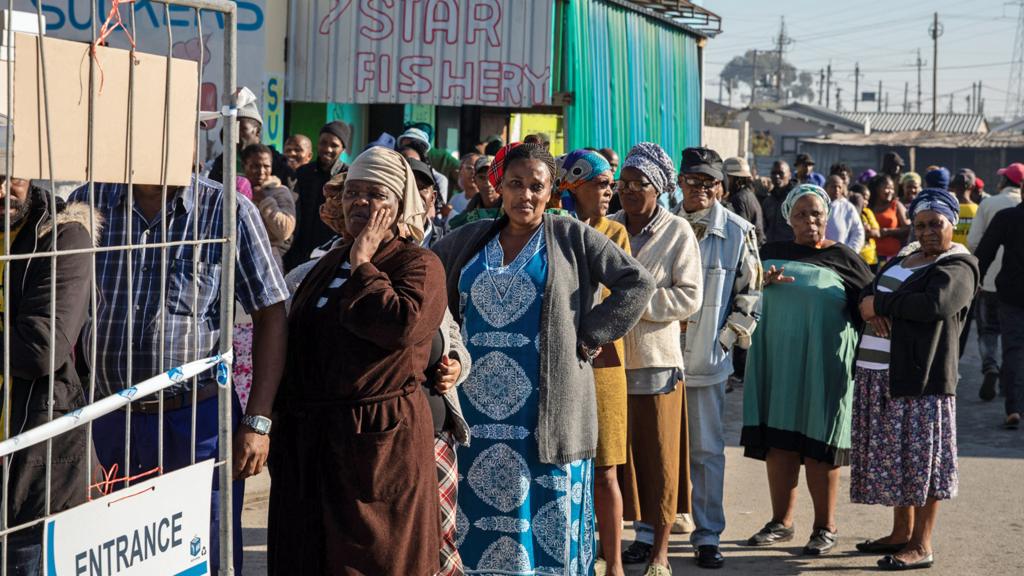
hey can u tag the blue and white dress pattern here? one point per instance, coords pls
(516, 516)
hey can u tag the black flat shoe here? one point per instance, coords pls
(772, 533)
(876, 547)
(636, 553)
(708, 556)
(822, 542)
(891, 563)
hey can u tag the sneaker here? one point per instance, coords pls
(988, 386)
(683, 524)
(822, 542)
(1012, 421)
(772, 533)
(637, 553)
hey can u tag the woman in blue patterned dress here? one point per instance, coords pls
(524, 289)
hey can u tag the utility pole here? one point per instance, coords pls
(906, 93)
(879, 96)
(950, 105)
(720, 86)
(978, 101)
(935, 32)
(1015, 87)
(753, 80)
(886, 101)
(821, 85)
(920, 63)
(782, 42)
(828, 86)
(839, 105)
(856, 85)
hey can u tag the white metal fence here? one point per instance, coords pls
(166, 375)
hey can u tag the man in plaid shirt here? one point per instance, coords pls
(131, 312)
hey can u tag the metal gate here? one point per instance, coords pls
(166, 375)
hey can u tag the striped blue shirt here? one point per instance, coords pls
(258, 282)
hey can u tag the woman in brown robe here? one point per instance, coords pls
(355, 488)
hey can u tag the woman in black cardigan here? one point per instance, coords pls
(904, 412)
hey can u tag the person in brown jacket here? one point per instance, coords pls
(355, 486)
(274, 200)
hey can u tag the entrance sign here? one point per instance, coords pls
(440, 52)
(157, 527)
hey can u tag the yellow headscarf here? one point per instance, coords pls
(386, 167)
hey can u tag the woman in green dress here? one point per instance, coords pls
(799, 382)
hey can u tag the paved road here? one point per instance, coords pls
(979, 533)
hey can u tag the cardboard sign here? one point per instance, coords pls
(67, 83)
(161, 526)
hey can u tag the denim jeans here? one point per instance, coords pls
(108, 433)
(1011, 327)
(986, 316)
(706, 410)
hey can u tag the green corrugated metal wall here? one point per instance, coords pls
(632, 78)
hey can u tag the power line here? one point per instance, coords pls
(1015, 86)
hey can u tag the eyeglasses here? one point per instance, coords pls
(633, 185)
(699, 183)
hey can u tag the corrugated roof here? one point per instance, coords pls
(891, 121)
(911, 121)
(682, 13)
(923, 139)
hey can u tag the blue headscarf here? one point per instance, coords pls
(937, 200)
(801, 191)
(579, 167)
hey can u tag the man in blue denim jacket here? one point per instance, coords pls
(727, 318)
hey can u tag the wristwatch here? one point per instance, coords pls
(260, 424)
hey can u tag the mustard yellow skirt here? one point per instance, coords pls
(611, 408)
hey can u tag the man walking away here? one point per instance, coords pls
(1007, 231)
(986, 311)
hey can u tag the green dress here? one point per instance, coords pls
(798, 390)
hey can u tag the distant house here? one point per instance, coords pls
(777, 132)
(982, 152)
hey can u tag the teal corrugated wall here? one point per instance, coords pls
(632, 78)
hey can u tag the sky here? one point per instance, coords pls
(883, 36)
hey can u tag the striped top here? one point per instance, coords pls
(873, 353)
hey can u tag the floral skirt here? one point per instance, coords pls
(242, 373)
(903, 449)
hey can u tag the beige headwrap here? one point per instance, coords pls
(389, 168)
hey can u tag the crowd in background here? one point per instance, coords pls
(524, 351)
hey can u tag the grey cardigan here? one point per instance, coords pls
(579, 260)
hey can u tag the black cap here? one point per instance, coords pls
(803, 159)
(702, 161)
(339, 129)
(964, 179)
(422, 169)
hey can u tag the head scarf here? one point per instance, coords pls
(938, 200)
(389, 168)
(497, 169)
(910, 176)
(579, 167)
(938, 178)
(866, 176)
(801, 191)
(654, 163)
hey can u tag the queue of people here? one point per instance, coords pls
(494, 380)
